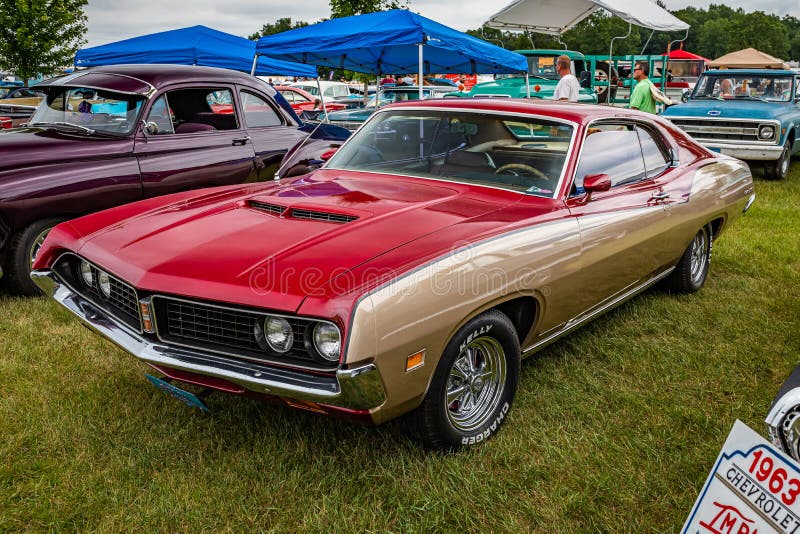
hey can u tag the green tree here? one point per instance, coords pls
(347, 8)
(40, 36)
(280, 25)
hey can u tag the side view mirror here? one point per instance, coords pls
(685, 96)
(595, 183)
(150, 128)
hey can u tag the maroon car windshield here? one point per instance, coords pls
(520, 153)
(88, 110)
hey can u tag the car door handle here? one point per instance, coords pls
(241, 140)
(659, 196)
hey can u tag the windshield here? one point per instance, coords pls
(538, 67)
(524, 154)
(89, 110)
(773, 88)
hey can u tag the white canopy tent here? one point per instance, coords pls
(554, 17)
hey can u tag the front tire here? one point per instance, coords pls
(692, 270)
(779, 169)
(22, 252)
(473, 385)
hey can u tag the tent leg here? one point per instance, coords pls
(419, 80)
(322, 101)
(611, 60)
(253, 70)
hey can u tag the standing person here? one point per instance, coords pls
(568, 86)
(642, 95)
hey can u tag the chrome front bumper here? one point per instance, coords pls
(358, 388)
(745, 152)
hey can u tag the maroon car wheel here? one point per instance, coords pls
(24, 248)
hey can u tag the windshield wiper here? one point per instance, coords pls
(85, 129)
(707, 96)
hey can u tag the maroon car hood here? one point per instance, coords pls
(253, 248)
(27, 147)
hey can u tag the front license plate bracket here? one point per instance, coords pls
(186, 397)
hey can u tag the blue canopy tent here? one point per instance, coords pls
(396, 41)
(196, 45)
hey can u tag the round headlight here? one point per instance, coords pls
(104, 283)
(327, 341)
(766, 132)
(278, 333)
(86, 273)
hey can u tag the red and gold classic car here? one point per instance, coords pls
(441, 244)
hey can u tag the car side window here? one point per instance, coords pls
(159, 120)
(611, 149)
(202, 109)
(258, 112)
(655, 162)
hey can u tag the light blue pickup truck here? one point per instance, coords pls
(750, 114)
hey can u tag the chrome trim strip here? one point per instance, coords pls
(359, 388)
(266, 359)
(574, 323)
(561, 177)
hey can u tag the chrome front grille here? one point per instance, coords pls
(122, 301)
(734, 131)
(226, 330)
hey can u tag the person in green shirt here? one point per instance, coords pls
(642, 97)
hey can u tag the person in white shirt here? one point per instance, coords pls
(568, 86)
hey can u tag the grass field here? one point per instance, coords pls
(614, 428)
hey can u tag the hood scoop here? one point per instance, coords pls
(285, 212)
(313, 215)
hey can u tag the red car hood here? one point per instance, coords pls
(251, 246)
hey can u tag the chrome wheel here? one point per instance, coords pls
(475, 383)
(37, 245)
(784, 164)
(699, 257)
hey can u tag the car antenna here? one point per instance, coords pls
(286, 158)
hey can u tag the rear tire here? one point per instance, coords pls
(779, 169)
(473, 385)
(22, 251)
(692, 270)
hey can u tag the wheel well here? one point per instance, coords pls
(716, 226)
(522, 312)
(790, 137)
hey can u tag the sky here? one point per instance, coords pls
(113, 20)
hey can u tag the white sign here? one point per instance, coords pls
(753, 488)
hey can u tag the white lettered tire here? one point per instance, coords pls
(473, 386)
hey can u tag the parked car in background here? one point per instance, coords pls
(751, 114)
(301, 100)
(543, 78)
(443, 242)
(783, 419)
(352, 119)
(331, 91)
(111, 135)
(20, 103)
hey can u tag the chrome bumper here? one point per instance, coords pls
(359, 388)
(745, 152)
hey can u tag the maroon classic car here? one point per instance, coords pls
(441, 244)
(111, 135)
